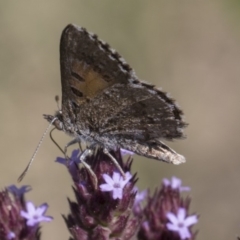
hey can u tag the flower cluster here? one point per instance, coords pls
(115, 208)
(104, 212)
(166, 214)
(19, 220)
(108, 204)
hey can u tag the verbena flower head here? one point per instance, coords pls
(166, 215)
(113, 208)
(180, 223)
(104, 212)
(12, 224)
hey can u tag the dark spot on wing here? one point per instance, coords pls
(77, 92)
(78, 77)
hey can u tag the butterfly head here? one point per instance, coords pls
(56, 120)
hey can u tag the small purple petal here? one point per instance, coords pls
(106, 187)
(75, 158)
(140, 196)
(30, 207)
(11, 235)
(117, 193)
(42, 209)
(19, 191)
(181, 214)
(24, 214)
(61, 160)
(166, 182)
(108, 179)
(172, 227)
(146, 226)
(175, 183)
(126, 152)
(128, 177)
(172, 217)
(184, 233)
(191, 220)
(46, 219)
(116, 177)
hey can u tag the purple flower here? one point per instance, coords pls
(75, 158)
(72, 163)
(115, 184)
(19, 191)
(11, 235)
(140, 196)
(175, 184)
(180, 223)
(35, 215)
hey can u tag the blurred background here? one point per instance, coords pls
(189, 48)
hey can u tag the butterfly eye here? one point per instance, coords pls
(58, 124)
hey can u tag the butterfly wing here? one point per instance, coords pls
(102, 96)
(136, 117)
(88, 66)
(135, 110)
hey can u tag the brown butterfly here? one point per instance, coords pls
(106, 105)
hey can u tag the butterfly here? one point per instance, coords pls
(105, 104)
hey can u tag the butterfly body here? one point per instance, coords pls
(105, 104)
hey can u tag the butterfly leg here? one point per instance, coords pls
(105, 150)
(88, 152)
(74, 141)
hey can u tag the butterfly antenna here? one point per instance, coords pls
(35, 152)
